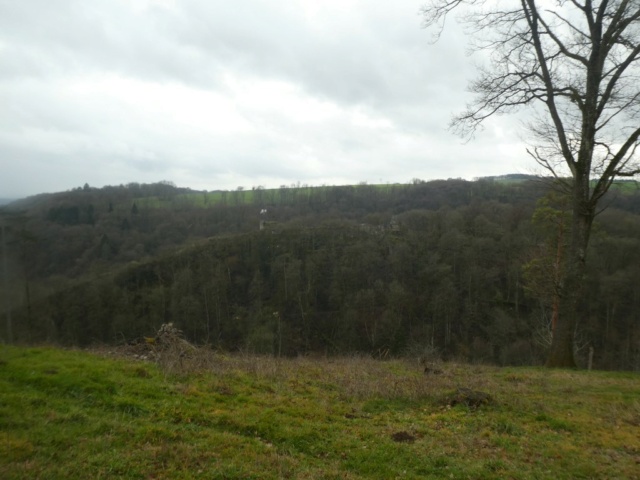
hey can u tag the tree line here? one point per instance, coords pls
(432, 268)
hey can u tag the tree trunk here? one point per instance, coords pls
(561, 353)
(7, 296)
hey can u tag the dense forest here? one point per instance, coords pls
(444, 269)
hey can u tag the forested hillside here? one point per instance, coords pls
(450, 268)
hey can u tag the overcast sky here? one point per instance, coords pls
(214, 94)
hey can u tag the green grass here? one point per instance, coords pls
(298, 195)
(625, 186)
(73, 414)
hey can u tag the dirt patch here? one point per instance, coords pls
(403, 437)
(469, 398)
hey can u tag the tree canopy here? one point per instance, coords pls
(428, 268)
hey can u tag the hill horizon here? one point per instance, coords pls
(509, 176)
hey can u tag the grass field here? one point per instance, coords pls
(294, 195)
(75, 414)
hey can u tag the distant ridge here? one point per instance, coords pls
(512, 177)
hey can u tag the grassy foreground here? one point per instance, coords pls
(72, 414)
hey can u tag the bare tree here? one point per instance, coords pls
(575, 63)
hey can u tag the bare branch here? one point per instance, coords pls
(579, 61)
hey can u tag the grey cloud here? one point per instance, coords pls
(375, 60)
(62, 37)
(382, 60)
(377, 57)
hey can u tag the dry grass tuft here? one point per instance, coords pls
(354, 377)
